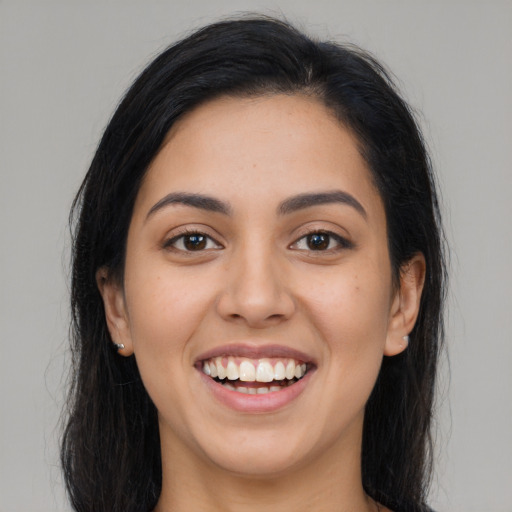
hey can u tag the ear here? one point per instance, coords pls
(406, 305)
(115, 311)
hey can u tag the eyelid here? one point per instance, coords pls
(189, 231)
(342, 241)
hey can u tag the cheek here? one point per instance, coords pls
(350, 312)
(351, 309)
(164, 310)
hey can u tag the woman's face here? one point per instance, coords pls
(258, 249)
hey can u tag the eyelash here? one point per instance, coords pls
(342, 243)
(172, 242)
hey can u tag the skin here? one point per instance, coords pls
(258, 282)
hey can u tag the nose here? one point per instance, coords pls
(256, 291)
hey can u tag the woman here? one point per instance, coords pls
(257, 286)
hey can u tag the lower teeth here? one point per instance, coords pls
(255, 390)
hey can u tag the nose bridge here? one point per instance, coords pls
(256, 289)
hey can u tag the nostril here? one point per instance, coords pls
(256, 320)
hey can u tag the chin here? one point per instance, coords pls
(257, 461)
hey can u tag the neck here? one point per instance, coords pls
(330, 483)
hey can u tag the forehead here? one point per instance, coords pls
(264, 147)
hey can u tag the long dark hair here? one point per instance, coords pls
(110, 447)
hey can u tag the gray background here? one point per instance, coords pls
(64, 66)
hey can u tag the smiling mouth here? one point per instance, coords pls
(254, 376)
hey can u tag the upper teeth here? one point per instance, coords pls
(248, 370)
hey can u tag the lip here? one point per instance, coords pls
(267, 402)
(256, 351)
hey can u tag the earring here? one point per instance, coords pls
(406, 339)
(119, 346)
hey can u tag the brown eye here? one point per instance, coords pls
(318, 241)
(194, 242)
(322, 241)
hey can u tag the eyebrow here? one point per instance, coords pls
(195, 200)
(290, 205)
(308, 200)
